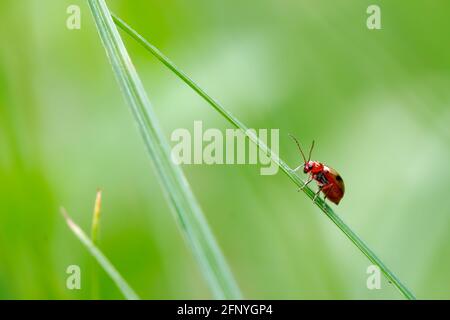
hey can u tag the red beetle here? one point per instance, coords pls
(328, 179)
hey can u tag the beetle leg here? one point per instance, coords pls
(317, 194)
(306, 183)
(326, 195)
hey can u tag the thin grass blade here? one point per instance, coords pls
(352, 236)
(101, 259)
(94, 237)
(96, 217)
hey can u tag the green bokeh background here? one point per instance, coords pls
(376, 102)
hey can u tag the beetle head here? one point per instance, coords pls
(309, 165)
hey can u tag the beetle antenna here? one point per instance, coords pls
(298, 145)
(310, 150)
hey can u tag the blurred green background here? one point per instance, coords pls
(376, 102)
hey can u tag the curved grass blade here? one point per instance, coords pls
(187, 211)
(261, 145)
(101, 259)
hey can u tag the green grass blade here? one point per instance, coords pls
(285, 168)
(101, 259)
(94, 236)
(96, 217)
(179, 194)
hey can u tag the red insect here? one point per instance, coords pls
(328, 179)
